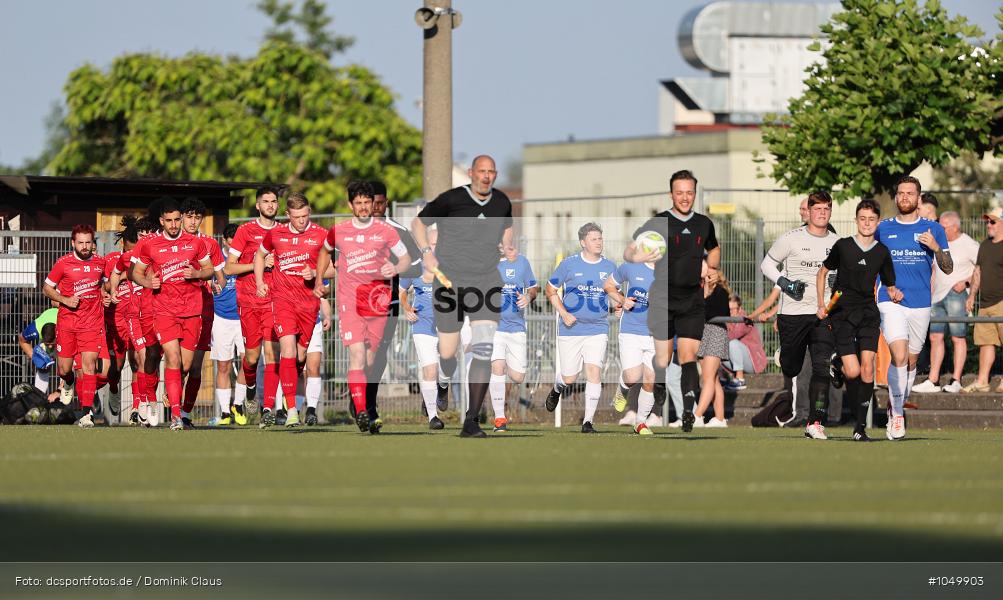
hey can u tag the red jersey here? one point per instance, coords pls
(244, 245)
(71, 276)
(168, 258)
(128, 290)
(218, 261)
(109, 265)
(145, 304)
(362, 252)
(293, 250)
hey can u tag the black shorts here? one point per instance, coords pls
(800, 333)
(477, 298)
(856, 329)
(681, 315)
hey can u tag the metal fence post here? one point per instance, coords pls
(760, 255)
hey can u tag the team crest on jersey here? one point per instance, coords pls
(603, 274)
(510, 273)
(915, 237)
(360, 238)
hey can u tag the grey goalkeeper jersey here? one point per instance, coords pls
(800, 255)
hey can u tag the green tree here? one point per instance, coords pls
(900, 84)
(311, 19)
(286, 115)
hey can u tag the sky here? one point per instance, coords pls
(524, 71)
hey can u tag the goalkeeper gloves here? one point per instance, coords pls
(794, 289)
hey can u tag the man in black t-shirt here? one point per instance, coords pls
(473, 222)
(675, 301)
(855, 320)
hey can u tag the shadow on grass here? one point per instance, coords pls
(39, 534)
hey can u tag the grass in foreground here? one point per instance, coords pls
(331, 493)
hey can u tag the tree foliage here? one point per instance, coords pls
(900, 84)
(311, 19)
(286, 115)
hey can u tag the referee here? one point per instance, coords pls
(676, 303)
(472, 221)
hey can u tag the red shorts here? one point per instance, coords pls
(78, 362)
(256, 323)
(355, 328)
(295, 319)
(205, 338)
(185, 329)
(144, 331)
(119, 338)
(70, 343)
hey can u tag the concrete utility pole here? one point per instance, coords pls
(437, 19)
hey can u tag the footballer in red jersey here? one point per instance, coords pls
(362, 293)
(255, 313)
(75, 284)
(295, 246)
(142, 329)
(193, 212)
(120, 288)
(174, 264)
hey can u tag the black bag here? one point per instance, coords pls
(779, 410)
(26, 404)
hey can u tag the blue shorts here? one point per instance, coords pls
(953, 305)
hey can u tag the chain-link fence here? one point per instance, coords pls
(545, 237)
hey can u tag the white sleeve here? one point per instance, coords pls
(777, 254)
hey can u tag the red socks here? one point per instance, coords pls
(289, 376)
(357, 388)
(152, 381)
(138, 389)
(86, 388)
(250, 373)
(172, 382)
(271, 384)
(191, 392)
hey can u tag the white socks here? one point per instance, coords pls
(428, 394)
(592, 393)
(223, 399)
(645, 402)
(239, 393)
(910, 380)
(496, 387)
(897, 382)
(312, 391)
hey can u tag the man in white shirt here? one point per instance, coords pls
(950, 292)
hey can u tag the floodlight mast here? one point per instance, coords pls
(438, 19)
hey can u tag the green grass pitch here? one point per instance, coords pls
(331, 493)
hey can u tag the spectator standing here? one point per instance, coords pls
(950, 295)
(713, 349)
(988, 279)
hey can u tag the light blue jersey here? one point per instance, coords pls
(913, 261)
(517, 277)
(422, 304)
(638, 277)
(584, 296)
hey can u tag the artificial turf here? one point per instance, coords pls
(535, 493)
